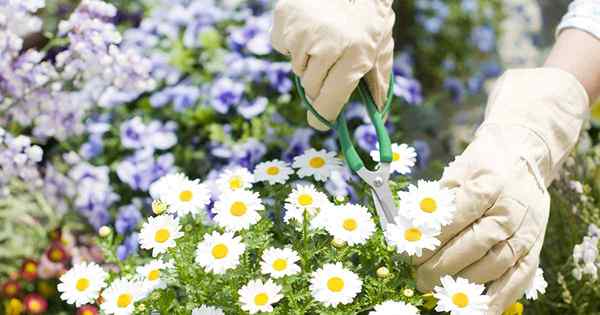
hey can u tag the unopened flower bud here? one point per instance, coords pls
(383, 272)
(104, 231)
(158, 207)
(338, 243)
(408, 292)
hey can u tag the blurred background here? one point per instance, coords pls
(98, 101)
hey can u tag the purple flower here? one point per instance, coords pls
(182, 96)
(456, 89)
(128, 247)
(246, 154)
(142, 169)
(408, 89)
(92, 148)
(132, 133)
(366, 138)
(298, 144)
(423, 153)
(279, 76)
(250, 109)
(253, 37)
(152, 136)
(226, 93)
(127, 218)
(484, 38)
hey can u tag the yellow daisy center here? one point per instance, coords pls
(273, 170)
(153, 275)
(82, 284)
(279, 264)
(350, 224)
(460, 299)
(261, 299)
(220, 251)
(185, 196)
(87, 312)
(305, 200)
(412, 234)
(235, 183)
(238, 209)
(428, 205)
(395, 156)
(316, 162)
(162, 235)
(335, 284)
(124, 300)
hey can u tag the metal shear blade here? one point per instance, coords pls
(378, 180)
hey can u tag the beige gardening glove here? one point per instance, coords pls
(532, 121)
(333, 44)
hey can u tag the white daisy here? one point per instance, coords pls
(82, 283)
(304, 198)
(410, 237)
(333, 284)
(460, 297)
(120, 297)
(160, 233)
(280, 262)
(273, 172)
(151, 274)
(207, 310)
(238, 210)
(236, 178)
(394, 308)
(537, 286)
(219, 252)
(350, 223)
(428, 203)
(258, 296)
(181, 194)
(403, 158)
(318, 164)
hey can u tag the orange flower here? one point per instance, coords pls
(87, 310)
(35, 303)
(11, 288)
(29, 269)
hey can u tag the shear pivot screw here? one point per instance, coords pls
(378, 182)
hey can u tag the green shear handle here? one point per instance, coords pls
(341, 126)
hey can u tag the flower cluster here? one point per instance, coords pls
(585, 255)
(18, 159)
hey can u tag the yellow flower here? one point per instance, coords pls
(515, 309)
(14, 307)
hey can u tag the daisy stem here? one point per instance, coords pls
(304, 240)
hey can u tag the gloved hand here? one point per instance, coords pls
(333, 44)
(532, 121)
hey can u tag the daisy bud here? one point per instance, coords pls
(338, 243)
(383, 272)
(141, 307)
(158, 207)
(104, 231)
(408, 292)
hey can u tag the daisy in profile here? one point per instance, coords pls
(304, 198)
(537, 286)
(350, 223)
(411, 238)
(236, 178)
(403, 158)
(238, 210)
(258, 296)
(428, 203)
(460, 297)
(393, 308)
(159, 234)
(333, 285)
(207, 310)
(273, 172)
(318, 164)
(120, 297)
(279, 262)
(151, 274)
(181, 194)
(82, 283)
(218, 252)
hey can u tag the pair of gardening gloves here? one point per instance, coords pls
(532, 121)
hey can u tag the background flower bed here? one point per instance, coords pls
(194, 86)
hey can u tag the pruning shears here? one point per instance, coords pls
(377, 179)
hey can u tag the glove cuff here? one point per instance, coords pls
(548, 102)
